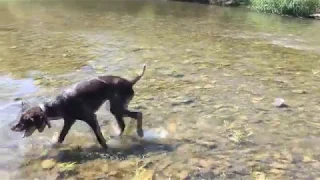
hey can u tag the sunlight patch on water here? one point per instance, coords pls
(127, 141)
(16, 87)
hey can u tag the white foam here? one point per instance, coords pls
(155, 133)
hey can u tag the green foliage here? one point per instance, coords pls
(286, 7)
(66, 166)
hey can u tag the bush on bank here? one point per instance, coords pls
(286, 7)
(302, 8)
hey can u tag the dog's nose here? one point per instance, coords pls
(15, 128)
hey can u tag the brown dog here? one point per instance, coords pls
(80, 103)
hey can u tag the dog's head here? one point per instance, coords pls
(31, 120)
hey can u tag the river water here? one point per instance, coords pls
(212, 76)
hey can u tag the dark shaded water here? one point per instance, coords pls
(212, 76)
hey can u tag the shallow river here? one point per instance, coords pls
(207, 95)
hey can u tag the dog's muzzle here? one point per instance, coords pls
(18, 128)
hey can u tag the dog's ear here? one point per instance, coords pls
(40, 121)
(47, 121)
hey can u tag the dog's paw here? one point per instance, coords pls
(105, 146)
(113, 136)
(140, 133)
(56, 145)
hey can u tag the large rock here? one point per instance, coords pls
(316, 16)
(225, 2)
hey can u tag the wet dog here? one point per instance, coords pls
(80, 103)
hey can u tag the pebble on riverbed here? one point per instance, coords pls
(144, 174)
(182, 101)
(48, 163)
(279, 102)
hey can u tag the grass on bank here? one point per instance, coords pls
(302, 8)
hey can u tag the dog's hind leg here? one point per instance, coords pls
(118, 109)
(138, 117)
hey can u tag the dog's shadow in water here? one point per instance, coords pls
(119, 148)
(122, 148)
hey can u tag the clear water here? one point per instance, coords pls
(212, 76)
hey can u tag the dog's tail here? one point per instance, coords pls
(136, 79)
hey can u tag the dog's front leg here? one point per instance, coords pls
(119, 119)
(68, 122)
(116, 108)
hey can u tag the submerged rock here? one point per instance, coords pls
(277, 165)
(240, 169)
(299, 91)
(260, 175)
(48, 163)
(144, 174)
(182, 101)
(202, 175)
(183, 174)
(277, 171)
(207, 163)
(116, 174)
